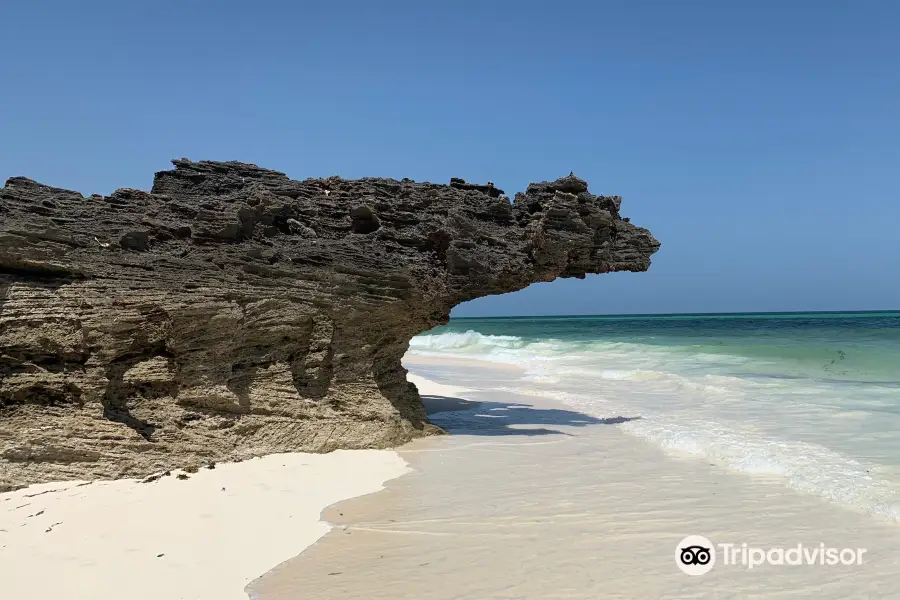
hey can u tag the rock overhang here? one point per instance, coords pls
(232, 311)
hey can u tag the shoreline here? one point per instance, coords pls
(528, 498)
(197, 536)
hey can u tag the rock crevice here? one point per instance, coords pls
(232, 312)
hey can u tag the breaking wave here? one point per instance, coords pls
(834, 438)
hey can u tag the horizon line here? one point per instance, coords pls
(699, 314)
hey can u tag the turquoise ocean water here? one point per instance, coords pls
(812, 399)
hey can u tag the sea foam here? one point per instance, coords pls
(730, 410)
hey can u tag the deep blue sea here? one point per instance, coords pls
(812, 399)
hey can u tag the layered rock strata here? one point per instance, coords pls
(233, 312)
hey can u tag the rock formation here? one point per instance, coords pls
(234, 312)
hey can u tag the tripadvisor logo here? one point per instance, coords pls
(696, 555)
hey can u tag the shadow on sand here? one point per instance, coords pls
(468, 417)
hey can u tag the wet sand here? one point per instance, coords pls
(529, 499)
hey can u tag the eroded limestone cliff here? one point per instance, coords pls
(233, 312)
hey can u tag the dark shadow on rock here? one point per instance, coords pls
(4, 290)
(239, 385)
(115, 398)
(468, 417)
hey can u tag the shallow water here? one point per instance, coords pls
(811, 399)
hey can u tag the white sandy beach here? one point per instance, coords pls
(201, 538)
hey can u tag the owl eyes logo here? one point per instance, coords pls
(695, 555)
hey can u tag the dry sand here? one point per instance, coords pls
(531, 500)
(201, 538)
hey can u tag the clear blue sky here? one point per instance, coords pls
(759, 141)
